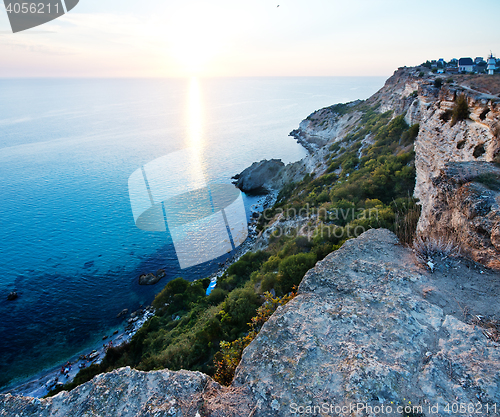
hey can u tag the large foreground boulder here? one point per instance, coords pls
(124, 392)
(371, 327)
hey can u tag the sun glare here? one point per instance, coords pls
(196, 38)
(195, 115)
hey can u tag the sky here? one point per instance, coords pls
(221, 38)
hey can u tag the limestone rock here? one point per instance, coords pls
(448, 160)
(123, 392)
(362, 331)
(463, 204)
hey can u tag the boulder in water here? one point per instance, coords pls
(151, 279)
(12, 296)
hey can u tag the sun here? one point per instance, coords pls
(193, 55)
(196, 39)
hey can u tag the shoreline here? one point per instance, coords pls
(39, 385)
(42, 383)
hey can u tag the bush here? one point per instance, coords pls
(216, 296)
(407, 213)
(238, 309)
(460, 110)
(429, 247)
(177, 295)
(293, 269)
(438, 82)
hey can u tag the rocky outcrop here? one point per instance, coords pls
(324, 125)
(259, 176)
(124, 392)
(472, 143)
(369, 326)
(466, 208)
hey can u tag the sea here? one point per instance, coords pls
(69, 245)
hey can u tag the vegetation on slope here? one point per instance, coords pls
(368, 184)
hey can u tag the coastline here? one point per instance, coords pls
(42, 383)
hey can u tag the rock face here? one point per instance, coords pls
(475, 140)
(321, 126)
(365, 329)
(124, 392)
(369, 326)
(259, 176)
(466, 208)
(447, 158)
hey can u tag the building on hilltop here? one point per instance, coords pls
(492, 64)
(465, 65)
(480, 67)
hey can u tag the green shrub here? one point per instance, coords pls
(460, 110)
(293, 269)
(216, 296)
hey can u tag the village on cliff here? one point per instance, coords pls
(465, 65)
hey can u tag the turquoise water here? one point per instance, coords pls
(68, 242)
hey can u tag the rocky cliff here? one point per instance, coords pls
(370, 327)
(457, 183)
(454, 160)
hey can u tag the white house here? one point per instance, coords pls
(465, 65)
(492, 64)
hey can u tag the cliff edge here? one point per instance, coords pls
(369, 327)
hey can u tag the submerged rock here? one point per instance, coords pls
(122, 313)
(12, 296)
(151, 279)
